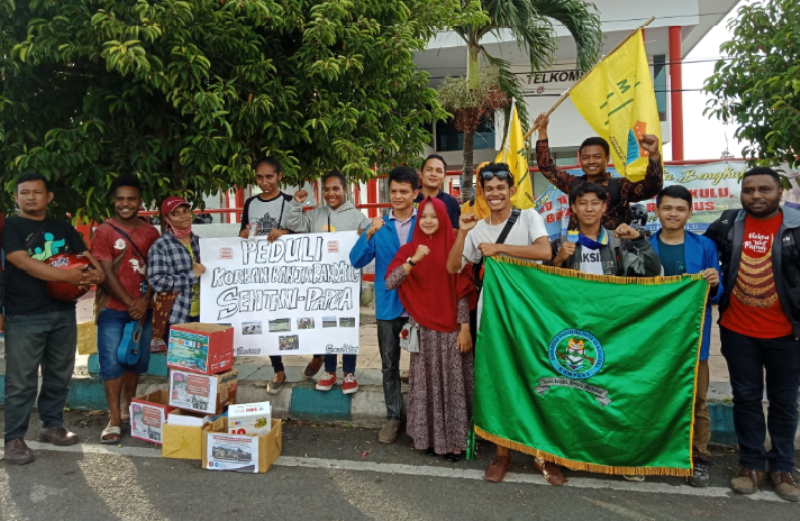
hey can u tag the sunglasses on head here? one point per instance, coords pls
(503, 175)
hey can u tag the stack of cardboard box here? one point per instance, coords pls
(202, 385)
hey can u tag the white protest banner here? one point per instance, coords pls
(298, 295)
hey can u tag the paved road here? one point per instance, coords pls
(339, 473)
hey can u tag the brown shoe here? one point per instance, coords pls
(785, 486)
(551, 471)
(313, 367)
(389, 432)
(58, 436)
(496, 471)
(18, 453)
(405, 377)
(747, 481)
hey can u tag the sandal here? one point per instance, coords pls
(108, 431)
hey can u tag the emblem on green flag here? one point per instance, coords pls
(594, 372)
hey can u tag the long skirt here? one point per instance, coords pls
(440, 393)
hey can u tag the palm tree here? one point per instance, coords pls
(530, 22)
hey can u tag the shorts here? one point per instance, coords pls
(110, 329)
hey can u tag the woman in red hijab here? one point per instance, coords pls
(441, 378)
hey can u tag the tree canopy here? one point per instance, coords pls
(187, 94)
(757, 87)
(530, 23)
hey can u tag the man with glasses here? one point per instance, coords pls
(515, 233)
(594, 155)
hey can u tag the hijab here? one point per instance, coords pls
(478, 205)
(429, 293)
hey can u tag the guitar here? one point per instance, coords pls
(128, 350)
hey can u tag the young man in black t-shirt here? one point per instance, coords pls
(40, 331)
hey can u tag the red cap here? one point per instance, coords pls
(170, 203)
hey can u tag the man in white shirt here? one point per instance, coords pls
(525, 238)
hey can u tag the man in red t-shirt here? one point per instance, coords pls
(121, 245)
(759, 328)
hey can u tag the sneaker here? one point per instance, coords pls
(350, 385)
(747, 481)
(327, 382)
(785, 486)
(18, 452)
(389, 432)
(633, 478)
(701, 475)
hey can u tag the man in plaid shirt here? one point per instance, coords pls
(594, 153)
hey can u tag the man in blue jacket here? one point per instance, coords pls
(381, 241)
(681, 252)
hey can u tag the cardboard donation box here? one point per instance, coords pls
(87, 338)
(148, 416)
(182, 435)
(200, 348)
(254, 419)
(202, 392)
(240, 452)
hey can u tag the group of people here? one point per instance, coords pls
(428, 253)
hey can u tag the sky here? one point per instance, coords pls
(704, 138)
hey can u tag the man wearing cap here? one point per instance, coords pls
(174, 269)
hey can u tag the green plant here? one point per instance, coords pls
(757, 87)
(188, 93)
(530, 23)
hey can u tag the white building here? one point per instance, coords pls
(678, 26)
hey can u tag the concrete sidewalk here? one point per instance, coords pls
(300, 400)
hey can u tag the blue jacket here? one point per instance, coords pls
(382, 247)
(700, 253)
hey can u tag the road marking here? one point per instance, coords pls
(433, 472)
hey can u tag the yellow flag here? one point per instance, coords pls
(618, 101)
(515, 155)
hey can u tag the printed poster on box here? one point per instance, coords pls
(202, 393)
(148, 414)
(200, 348)
(297, 295)
(232, 452)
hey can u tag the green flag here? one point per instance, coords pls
(594, 372)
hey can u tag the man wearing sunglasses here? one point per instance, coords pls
(520, 234)
(594, 154)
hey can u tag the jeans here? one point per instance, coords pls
(348, 363)
(277, 363)
(389, 345)
(748, 358)
(46, 339)
(110, 329)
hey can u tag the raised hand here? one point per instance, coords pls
(467, 221)
(649, 143)
(376, 224)
(567, 250)
(300, 196)
(421, 253)
(625, 231)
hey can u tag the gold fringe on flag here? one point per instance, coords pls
(580, 465)
(610, 279)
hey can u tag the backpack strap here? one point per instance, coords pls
(512, 219)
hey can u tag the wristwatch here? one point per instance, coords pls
(408, 260)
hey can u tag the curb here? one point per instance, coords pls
(301, 400)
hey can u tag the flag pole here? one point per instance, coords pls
(566, 93)
(507, 142)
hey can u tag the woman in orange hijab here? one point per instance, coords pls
(441, 378)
